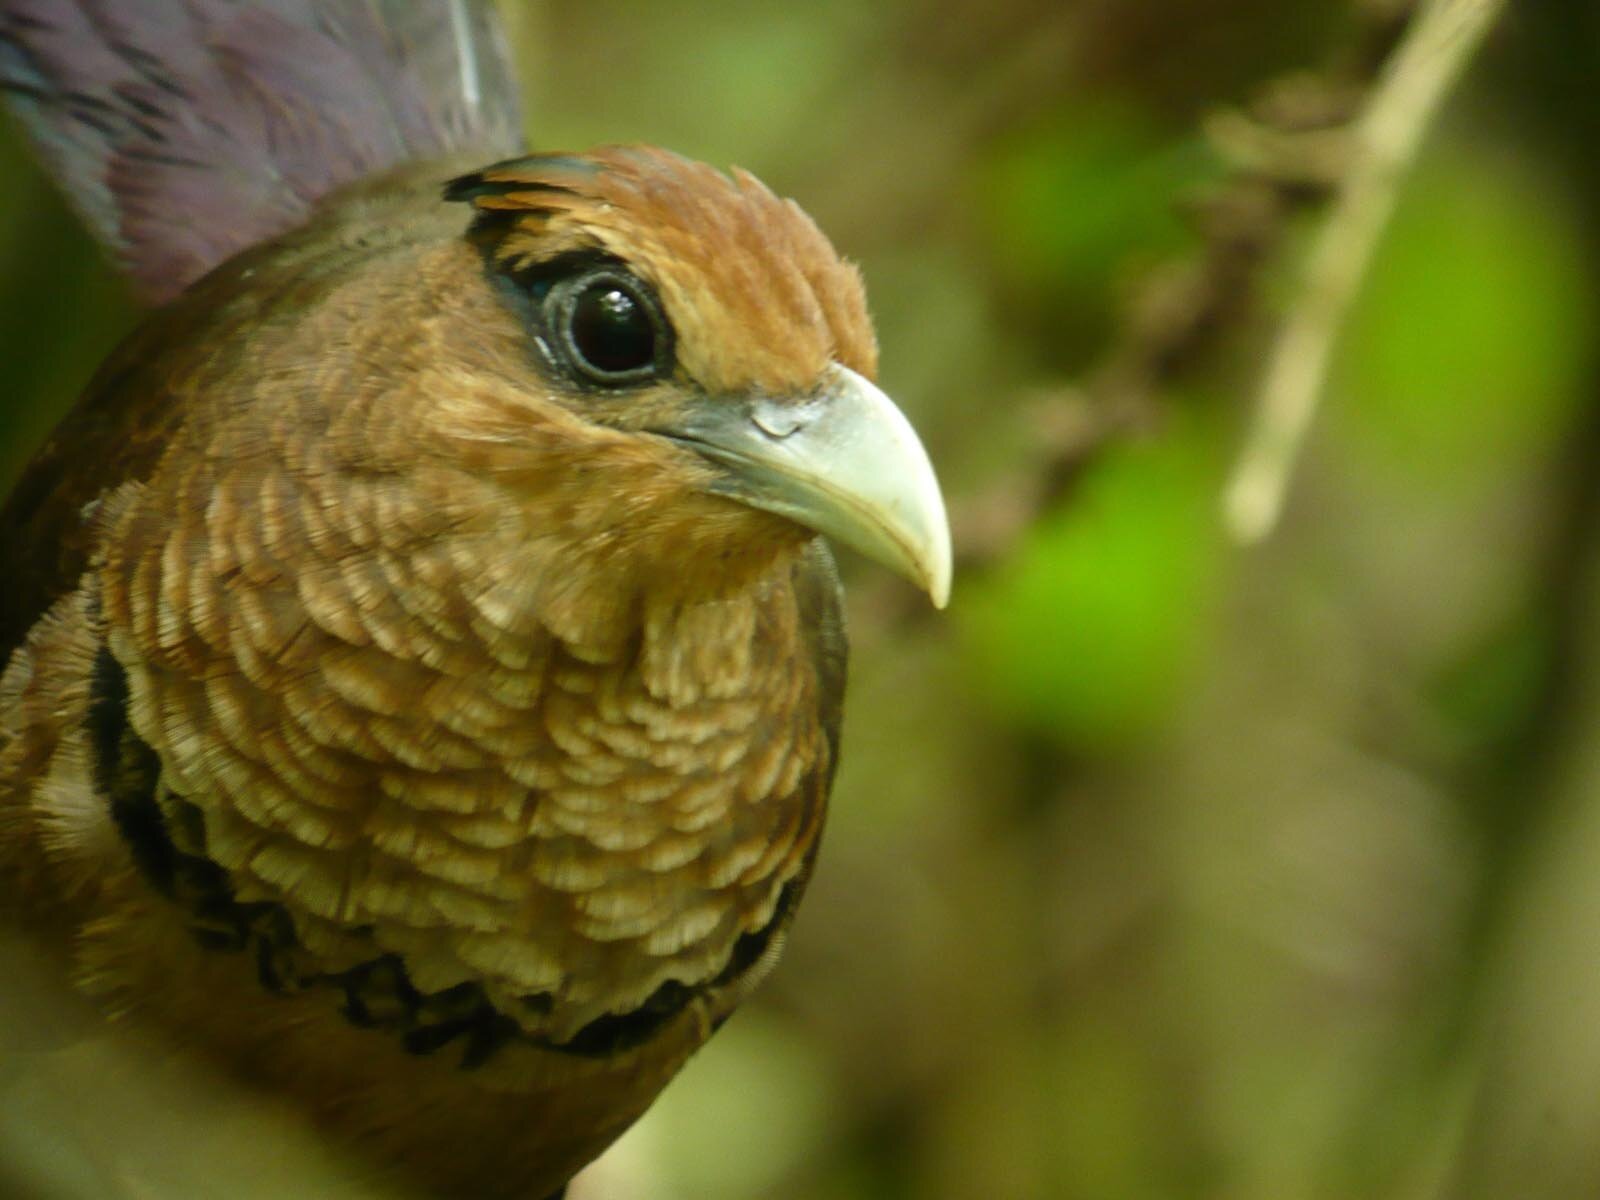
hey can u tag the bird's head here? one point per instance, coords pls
(697, 337)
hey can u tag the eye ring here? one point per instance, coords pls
(609, 328)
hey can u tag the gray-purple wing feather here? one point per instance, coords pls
(187, 130)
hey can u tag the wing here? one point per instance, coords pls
(114, 435)
(821, 602)
(816, 583)
(187, 130)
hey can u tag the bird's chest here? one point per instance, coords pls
(386, 877)
(448, 820)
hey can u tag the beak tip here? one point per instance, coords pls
(850, 467)
(937, 583)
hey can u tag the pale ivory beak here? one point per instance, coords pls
(844, 462)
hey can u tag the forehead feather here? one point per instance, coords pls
(757, 295)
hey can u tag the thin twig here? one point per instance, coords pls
(1283, 154)
(1385, 140)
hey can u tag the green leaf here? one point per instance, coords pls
(1463, 355)
(1090, 629)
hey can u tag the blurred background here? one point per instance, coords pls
(1158, 866)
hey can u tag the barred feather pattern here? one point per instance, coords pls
(435, 679)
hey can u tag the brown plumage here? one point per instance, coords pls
(431, 677)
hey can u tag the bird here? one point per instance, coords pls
(423, 659)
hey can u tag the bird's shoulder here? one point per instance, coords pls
(181, 357)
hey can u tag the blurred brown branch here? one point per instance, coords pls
(1286, 151)
(1377, 152)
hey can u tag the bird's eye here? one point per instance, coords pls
(611, 329)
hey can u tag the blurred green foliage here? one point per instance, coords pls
(51, 273)
(1074, 199)
(1090, 630)
(1471, 343)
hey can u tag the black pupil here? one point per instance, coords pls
(612, 330)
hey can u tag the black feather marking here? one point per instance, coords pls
(166, 836)
(486, 1037)
(752, 947)
(425, 1039)
(150, 132)
(615, 1032)
(126, 773)
(471, 188)
(27, 91)
(128, 96)
(165, 160)
(461, 1012)
(94, 103)
(520, 175)
(100, 124)
(149, 67)
(107, 717)
(378, 993)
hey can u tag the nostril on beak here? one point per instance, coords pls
(783, 420)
